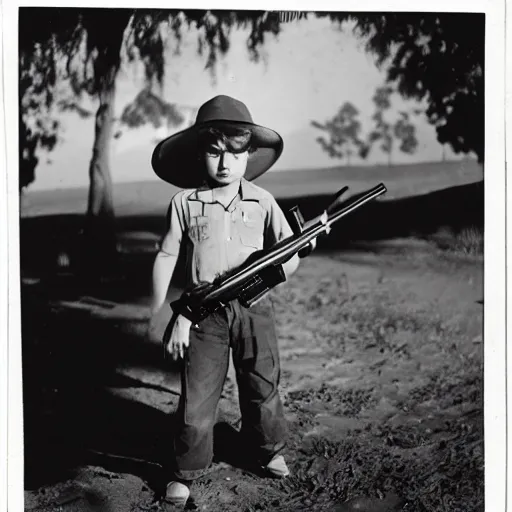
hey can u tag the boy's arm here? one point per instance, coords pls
(278, 228)
(167, 256)
(163, 269)
(175, 340)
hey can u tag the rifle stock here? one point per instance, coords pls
(262, 271)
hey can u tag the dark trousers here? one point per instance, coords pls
(251, 335)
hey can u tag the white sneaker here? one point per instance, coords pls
(277, 467)
(177, 493)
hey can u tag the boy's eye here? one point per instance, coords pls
(213, 151)
(237, 152)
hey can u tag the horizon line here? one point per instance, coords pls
(299, 169)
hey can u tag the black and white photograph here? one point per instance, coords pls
(247, 265)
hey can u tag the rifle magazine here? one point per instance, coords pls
(260, 284)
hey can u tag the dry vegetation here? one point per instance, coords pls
(396, 410)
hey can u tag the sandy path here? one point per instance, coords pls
(361, 335)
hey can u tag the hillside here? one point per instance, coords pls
(148, 197)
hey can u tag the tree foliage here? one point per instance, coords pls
(405, 132)
(387, 132)
(343, 132)
(148, 108)
(83, 49)
(436, 57)
(63, 54)
(382, 131)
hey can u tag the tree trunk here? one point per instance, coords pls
(390, 153)
(100, 232)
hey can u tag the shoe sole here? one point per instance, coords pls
(176, 502)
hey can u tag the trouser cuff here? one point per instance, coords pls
(188, 475)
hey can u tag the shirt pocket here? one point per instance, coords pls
(199, 229)
(251, 228)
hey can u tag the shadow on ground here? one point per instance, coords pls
(420, 216)
(71, 414)
(70, 358)
(80, 409)
(45, 238)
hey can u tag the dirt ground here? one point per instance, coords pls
(382, 361)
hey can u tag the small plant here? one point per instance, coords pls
(468, 241)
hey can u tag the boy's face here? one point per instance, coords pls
(224, 167)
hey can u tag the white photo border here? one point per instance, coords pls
(496, 229)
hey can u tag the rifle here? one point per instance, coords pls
(263, 270)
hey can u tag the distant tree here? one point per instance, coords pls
(405, 132)
(382, 131)
(386, 132)
(343, 132)
(436, 57)
(149, 108)
(84, 49)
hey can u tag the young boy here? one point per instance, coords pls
(217, 221)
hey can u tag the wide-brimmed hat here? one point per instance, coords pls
(175, 159)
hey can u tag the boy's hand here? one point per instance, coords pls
(308, 249)
(179, 339)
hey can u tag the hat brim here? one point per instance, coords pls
(175, 159)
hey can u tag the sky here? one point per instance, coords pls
(307, 73)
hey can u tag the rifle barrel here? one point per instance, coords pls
(284, 249)
(366, 197)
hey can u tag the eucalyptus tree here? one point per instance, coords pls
(66, 53)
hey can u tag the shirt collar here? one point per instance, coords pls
(247, 192)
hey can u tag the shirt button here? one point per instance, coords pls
(229, 239)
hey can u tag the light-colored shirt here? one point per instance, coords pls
(212, 238)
